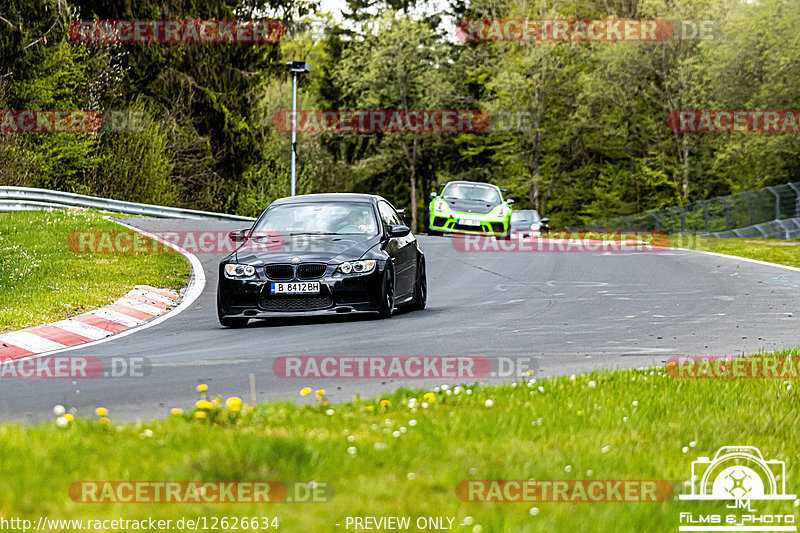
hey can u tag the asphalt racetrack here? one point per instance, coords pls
(561, 312)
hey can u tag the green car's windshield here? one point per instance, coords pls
(472, 191)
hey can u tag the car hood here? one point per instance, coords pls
(308, 248)
(470, 206)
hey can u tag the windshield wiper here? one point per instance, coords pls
(312, 233)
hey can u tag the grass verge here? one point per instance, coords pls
(406, 460)
(41, 280)
(783, 252)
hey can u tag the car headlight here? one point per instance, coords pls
(239, 271)
(535, 226)
(501, 211)
(439, 205)
(357, 267)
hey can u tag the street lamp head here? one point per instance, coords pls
(298, 67)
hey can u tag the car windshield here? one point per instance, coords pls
(479, 193)
(317, 218)
(524, 216)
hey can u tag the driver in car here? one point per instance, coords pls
(358, 220)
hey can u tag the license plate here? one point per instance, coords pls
(469, 222)
(299, 287)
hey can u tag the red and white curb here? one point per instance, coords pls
(110, 322)
(140, 305)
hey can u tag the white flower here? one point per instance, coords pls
(395, 434)
(329, 412)
(568, 468)
(444, 387)
(412, 422)
(468, 519)
(685, 449)
(477, 529)
(448, 392)
(411, 476)
(381, 445)
(59, 410)
(624, 418)
(589, 473)
(424, 405)
(541, 389)
(351, 450)
(592, 384)
(403, 430)
(62, 422)
(534, 511)
(148, 433)
(634, 403)
(351, 438)
(605, 449)
(489, 403)
(692, 444)
(572, 377)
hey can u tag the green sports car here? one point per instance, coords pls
(470, 207)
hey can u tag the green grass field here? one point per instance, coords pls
(403, 461)
(42, 280)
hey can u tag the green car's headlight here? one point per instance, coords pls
(440, 205)
(501, 211)
(239, 271)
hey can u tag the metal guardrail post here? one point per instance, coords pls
(596, 225)
(797, 199)
(705, 213)
(679, 209)
(658, 222)
(752, 205)
(777, 202)
(627, 222)
(727, 213)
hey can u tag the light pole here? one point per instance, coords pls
(296, 68)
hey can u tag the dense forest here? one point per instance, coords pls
(580, 129)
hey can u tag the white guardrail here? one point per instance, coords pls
(30, 199)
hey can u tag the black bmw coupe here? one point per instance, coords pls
(322, 254)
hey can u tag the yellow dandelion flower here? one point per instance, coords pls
(305, 391)
(200, 414)
(101, 411)
(429, 397)
(216, 402)
(233, 401)
(203, 404)
(386, 403)
(235, 408)
(370, 408)
(69, 417)
(105, 421)
(176, 411)
(202, 387)
(320, 393)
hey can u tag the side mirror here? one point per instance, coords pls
(402, 213)
(398, 231)
(510, 201)
(240, 235)
(545, 220)
(432, 195)
(442, 184)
